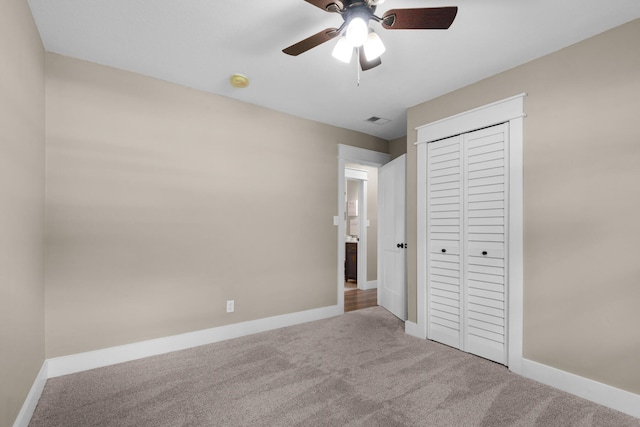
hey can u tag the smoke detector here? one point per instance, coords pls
(239, 81)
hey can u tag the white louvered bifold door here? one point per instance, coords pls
(466, 218)
(484, 241)
(444, 222)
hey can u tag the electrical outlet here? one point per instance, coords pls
(230, 306)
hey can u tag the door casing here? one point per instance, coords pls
(349, 154)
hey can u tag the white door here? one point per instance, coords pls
(485, 220)
(466, 235)
(444, 237)
(392, 287)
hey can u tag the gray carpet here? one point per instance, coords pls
(359, 369)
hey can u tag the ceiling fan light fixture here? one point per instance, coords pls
(357, 31)
(343, 51)
(373, 47)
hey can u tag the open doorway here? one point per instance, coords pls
(361, 237)
(357, 229)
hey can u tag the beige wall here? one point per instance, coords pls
(163, 202)
(398, 147)
(21, 206)
(581, 201)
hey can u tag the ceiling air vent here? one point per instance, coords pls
(377, 120)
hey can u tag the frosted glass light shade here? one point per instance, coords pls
(357, 32)
(373, 47)
(343, 51)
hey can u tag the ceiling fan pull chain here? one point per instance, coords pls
(358, 66)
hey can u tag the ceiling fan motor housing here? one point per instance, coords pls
(358, 8)
(426, 18)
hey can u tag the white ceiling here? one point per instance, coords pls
(201, 43)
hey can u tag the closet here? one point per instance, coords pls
(467, 190)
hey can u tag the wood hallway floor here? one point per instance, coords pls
(355, 299)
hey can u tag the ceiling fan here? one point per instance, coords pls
(355, 32)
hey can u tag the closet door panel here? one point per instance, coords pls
(466, 223)
(484, 243)
(444, 222)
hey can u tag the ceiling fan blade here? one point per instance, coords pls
(367, 65)
(311, 42)
(327, 5)
(429, 18)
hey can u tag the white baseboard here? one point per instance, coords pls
(597, 392)
(603, 394)
(412, 329)
(30, 403)
(371, 284)
(110, 356)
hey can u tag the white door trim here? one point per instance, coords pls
(509, 110)
(350, 154)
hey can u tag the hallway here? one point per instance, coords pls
(356, 299)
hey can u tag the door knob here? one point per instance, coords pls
(484, 252)
(444, 250)
(400, 245)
